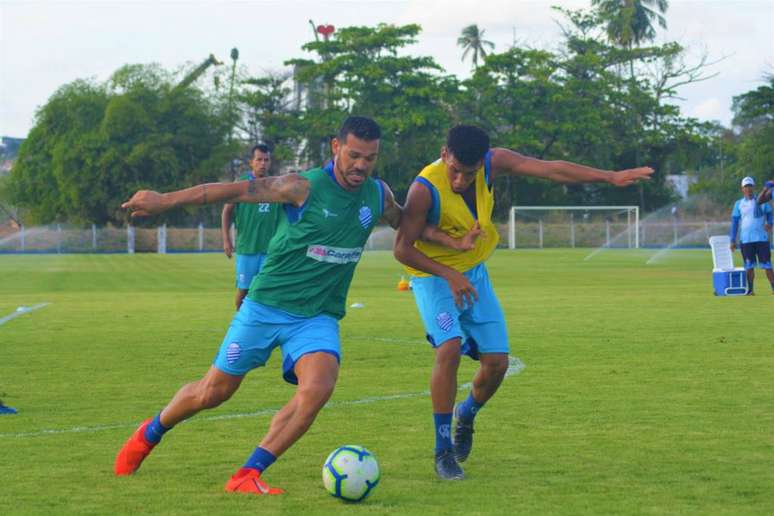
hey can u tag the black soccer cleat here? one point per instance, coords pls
(463, 437)
(446, 466)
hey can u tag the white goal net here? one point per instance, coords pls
(574, 226)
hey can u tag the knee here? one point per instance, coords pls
(448, 354)
(210, 396)
(312, 397)
(497, 368)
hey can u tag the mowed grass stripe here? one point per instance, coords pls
(643, 394)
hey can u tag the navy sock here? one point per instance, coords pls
(261, 459)
(155, 430)
(772, 286)
(468, 409)
(442, 432)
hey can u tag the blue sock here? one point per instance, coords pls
(155, 430)
(468, 409)
(261, 459)
(442, 432)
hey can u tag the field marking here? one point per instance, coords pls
(515, 366)
(21, 311)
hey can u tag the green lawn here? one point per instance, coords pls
(642, 393)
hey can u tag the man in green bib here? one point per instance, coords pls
(295, 301)
(255, 225)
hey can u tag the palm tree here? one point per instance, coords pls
(472, 40)
(630, 22)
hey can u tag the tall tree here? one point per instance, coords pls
(472, 41)
(754, 115)
(93, 144)
(407, 94)
(631, 22)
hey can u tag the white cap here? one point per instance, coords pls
(748, 181)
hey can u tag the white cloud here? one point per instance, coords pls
(45, 43)
(710, 109)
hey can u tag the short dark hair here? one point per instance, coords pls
(467, 143)
(260, 147)
(360, 127)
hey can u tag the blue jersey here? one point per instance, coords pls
(750, 217)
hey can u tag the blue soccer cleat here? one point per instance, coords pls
(6, 410)
(446, 466)
(463, 437)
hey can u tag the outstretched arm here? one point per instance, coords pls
(392, 215)
(508, 162)
(412, 226)
(291, 189)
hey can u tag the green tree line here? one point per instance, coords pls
(603, 98)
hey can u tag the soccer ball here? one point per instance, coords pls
(350, 473)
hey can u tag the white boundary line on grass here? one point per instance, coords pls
(515, 366)
(21, 311)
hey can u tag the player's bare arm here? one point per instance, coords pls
(508, 162)
(766, 193)
(392, 210)
(412, 225)
(392, 215)
(291, 189)
(466, 243)
(226, 217)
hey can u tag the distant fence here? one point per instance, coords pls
(60, 238)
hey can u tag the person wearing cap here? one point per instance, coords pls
(753, 223)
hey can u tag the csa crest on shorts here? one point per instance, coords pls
(445, 321)
(233, 352)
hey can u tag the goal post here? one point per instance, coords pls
(574, 226)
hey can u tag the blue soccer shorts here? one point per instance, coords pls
(257, 329)
(756, 253)
(247, 266)
(481, 326)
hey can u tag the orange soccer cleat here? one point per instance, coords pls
(133, 452)
(248, 480)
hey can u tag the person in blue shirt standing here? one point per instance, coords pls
(753, 222)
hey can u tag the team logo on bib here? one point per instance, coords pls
(233, 352)
(445, 321)
(365, 217)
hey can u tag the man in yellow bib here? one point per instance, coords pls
(456, 302)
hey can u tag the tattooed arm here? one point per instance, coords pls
(291, 189)
(392, 209)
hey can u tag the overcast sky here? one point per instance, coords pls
(47, 43)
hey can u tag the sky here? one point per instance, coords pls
(47, 43)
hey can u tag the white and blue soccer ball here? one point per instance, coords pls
(350, 473)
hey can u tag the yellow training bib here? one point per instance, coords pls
(452, 216)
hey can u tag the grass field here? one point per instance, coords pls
(642, 392)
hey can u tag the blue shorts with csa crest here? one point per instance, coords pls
(481, 326)
(247, 267)
(257, 329)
